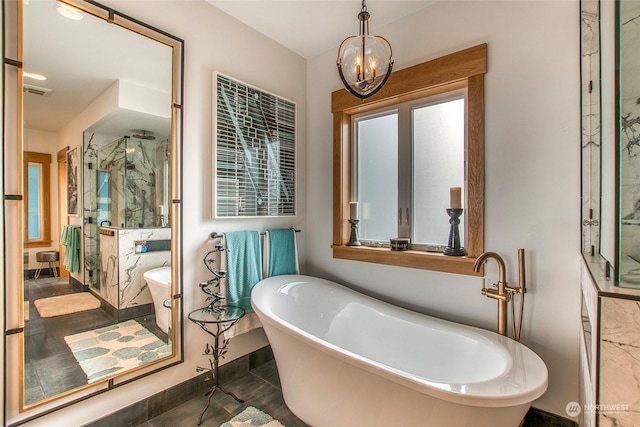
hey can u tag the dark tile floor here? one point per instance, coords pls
(259, 388)
(50, 367)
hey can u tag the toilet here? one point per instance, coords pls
(159, 281)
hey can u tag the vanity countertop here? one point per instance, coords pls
(112, 227)
(606, 286)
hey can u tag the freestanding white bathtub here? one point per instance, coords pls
(159, 281)
(346, 359)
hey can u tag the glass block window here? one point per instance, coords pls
(254, 151)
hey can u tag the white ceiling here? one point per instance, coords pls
(312, 27)
(83, 58)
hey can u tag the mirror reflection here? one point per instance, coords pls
(97, 251)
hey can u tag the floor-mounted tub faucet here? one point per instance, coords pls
(503, 293)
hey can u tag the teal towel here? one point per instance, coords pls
(244, 266)
(282, 252)
(65, 235)
(70, 239)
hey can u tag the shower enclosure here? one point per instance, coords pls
(126, 185)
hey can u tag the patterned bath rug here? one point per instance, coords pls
(252, 417)
(66, 304)
(105, 351)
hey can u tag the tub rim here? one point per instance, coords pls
(152, 274)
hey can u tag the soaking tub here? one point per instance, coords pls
(346, 359)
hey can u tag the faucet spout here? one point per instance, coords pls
(500, 293)
(484, 257)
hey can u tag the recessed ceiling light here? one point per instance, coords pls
(33, 76)
(69, 11)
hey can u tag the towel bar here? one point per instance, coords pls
(215, 235)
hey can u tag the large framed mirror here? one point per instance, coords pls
(92, 172)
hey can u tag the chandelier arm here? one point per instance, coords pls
(363, 95)
(347, 85)
(380, 86)
(363, 66)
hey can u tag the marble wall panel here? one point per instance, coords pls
(133, 289)
(109, 268)
(122, 270)
(619, 400)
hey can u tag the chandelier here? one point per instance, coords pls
(364, 61)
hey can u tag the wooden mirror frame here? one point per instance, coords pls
(461, 70)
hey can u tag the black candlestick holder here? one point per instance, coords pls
(353, 239)
(453, 246)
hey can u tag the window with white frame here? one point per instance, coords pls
(406, 158)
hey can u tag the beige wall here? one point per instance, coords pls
(532, 172)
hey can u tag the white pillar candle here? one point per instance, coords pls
(353, 210)
(455, 197)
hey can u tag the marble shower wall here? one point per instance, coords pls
(90, 225)
(136, 181)
(126, 182)
(591, 137)
(629, 143)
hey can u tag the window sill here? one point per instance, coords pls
(38, 244)
(412, 259)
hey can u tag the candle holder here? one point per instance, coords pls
(453, 247)
(353, 239)
(211, 287)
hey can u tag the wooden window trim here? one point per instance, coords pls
(45, 160)
(463, 69)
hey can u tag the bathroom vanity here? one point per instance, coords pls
(609, 351)
(125, 254)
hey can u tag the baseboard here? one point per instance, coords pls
(172, 397)
(539, 418)
(77, 285)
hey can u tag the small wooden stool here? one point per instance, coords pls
(50, 257)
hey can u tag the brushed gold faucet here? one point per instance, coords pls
(503, 293)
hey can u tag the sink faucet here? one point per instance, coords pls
(500, 292)
(503, 293)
